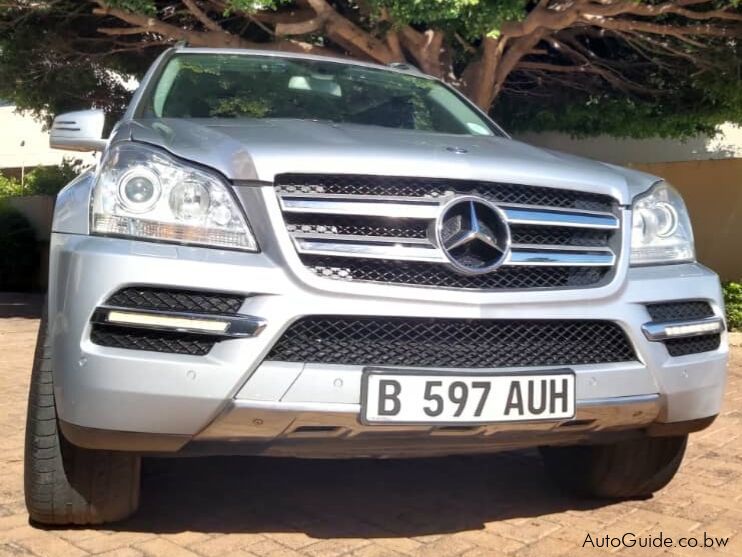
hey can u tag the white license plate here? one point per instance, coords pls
(418, 398)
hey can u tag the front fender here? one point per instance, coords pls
(72, 210)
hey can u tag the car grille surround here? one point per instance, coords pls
(382, 229)
(457, 343)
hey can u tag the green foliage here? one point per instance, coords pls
(676, 103)
(241, 107)
(54, 59)
(42, 180)
(9, 187)
(733, 303)
(252, 6)
(19, 256)
(470, 18)
(135, 6)
(48, 180)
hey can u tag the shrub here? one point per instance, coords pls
(48, 180)
(733, 302)
(9, 187)
(19, 256)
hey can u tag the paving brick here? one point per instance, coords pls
(113, 541)
(160, 547)
(47, 544)
(122, 552)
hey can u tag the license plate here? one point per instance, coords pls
(417, 398)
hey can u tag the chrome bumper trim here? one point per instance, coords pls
(662, 331)
(265, 421)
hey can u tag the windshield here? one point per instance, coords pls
(252, 86)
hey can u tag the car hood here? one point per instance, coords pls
(258, 150)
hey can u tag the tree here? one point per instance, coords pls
(628, 67)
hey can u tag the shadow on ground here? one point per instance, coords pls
(344, 499)
(14, 304)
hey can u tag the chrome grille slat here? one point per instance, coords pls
(425, 251)
(348, 222)
(429, 209)
(421, 249)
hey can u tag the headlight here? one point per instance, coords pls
(661, 230)
(142, 192)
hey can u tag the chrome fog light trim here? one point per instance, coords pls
(683, 329)
(218, 325)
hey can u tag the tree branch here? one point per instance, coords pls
(201, 16)
(344, 31)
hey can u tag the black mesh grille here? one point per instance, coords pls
(436, 187)
(176, 300)
(357, 225)
(693, 345)
(451, 342)
(412, 228)
(675, 311)
(431, 274)
(152, 341)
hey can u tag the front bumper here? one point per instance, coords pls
(231, 396)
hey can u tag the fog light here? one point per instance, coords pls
(695, 329)
(166, 322)
(670, 330)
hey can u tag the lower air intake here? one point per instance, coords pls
(461, 343)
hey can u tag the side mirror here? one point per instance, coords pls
(78, 131)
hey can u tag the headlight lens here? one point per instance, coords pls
(144, 193)
(661, 230)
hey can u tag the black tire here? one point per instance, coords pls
(65, 484)
(629, 469)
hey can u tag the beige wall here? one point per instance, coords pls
(726, 144)
(24, 143)
(713, 192)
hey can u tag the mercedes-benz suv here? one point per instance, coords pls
(286, 255)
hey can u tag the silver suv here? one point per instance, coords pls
(284, 255)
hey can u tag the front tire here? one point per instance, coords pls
(628, 469)
(65, 484)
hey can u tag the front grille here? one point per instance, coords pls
(685, 311)
(460, 343)
(189, 301)
(381, 229)
(151, 341)
(679, 311)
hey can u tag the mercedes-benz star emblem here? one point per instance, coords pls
(473, 234)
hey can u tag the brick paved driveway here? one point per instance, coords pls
(488, 506)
